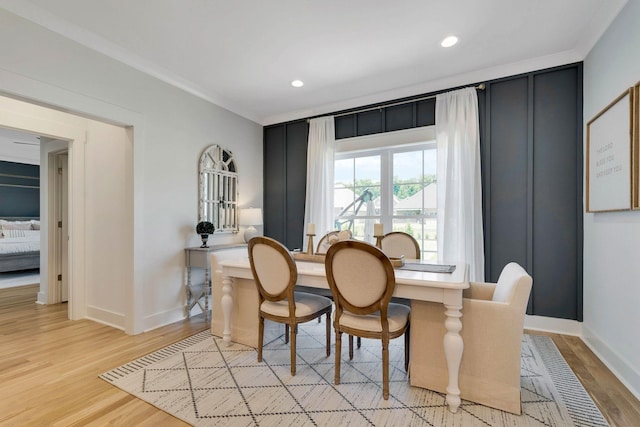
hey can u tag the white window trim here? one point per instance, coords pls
(386, 139)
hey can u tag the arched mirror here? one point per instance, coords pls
(219, 189)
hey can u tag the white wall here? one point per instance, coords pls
(170, 129)
(612, 240)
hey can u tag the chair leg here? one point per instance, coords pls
(286, 333)
(328, 334)
(260, 337)
(338, 357)
(350, 347)
(407, 343)
(385, 368)
(294, 332)
(359, 342)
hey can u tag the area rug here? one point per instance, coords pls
(203, 382)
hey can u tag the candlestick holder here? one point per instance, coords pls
(310, 245)
(378, 241)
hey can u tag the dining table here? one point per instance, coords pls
(416, 280)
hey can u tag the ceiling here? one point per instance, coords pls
(243, 55)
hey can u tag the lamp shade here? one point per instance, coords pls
(251, 216)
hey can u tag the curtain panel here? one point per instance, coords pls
(460, 233)
(320, 166)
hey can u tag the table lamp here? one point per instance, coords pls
(250, 217)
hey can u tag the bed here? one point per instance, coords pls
(19, 244)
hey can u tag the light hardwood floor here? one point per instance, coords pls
(49, 369)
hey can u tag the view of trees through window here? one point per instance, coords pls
(393, 186)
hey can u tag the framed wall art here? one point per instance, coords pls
(611, 177)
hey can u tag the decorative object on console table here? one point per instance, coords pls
(204, 228)
(311, 231)
(250, 217)
(378, 232)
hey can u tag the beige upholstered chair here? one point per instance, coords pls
(275, 274)
(362, 281)
(492, 328)
(330, 238)
(398, 243)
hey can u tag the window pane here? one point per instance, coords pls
(367, 170)
(407, 167)
(343, 173)
(430, 162)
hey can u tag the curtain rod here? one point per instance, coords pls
(481, 86)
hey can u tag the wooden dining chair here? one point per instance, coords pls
(362, 282)
(275, 274)
(399, 243)
(330, 238)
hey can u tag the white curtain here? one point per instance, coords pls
(318, 207)
(460, 236)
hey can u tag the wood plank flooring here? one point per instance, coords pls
(49, 369)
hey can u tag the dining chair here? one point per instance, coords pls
(362, 282)
(330, 238)
(492, 329)
(275, 274)
(399, 243)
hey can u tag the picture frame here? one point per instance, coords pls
(612, 156)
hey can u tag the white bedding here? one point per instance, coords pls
(11, 245)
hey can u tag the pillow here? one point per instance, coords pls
(13, 233)
(15, 225)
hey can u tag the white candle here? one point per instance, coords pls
(377, 230)
(311, 229)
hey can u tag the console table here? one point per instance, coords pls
(198, 293)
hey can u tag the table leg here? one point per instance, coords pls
(207, 292)
(453, 347)
(227, 306)
(188, 292)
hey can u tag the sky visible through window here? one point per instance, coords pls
(407, 166)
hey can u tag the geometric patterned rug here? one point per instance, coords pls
(205, 383)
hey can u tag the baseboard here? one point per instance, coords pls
(42, 298)
(552, 324)
(621, 368)
(106, 317)
(164, 318)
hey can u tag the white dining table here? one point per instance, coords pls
(444, 288)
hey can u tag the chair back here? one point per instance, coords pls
(330, 238)
(273, 268)
(513, 286)
(398, 243)
(360, 276)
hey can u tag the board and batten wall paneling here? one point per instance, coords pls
(506, 210)
(531, 164)
(297, 143)
(274, 203)
(557, 194)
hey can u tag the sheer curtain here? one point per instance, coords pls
(318, 207)
(460, 235)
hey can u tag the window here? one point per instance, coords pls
(393, 185)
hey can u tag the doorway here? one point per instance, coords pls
(60, 201)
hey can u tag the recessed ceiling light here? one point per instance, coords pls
(297, 83)
(449, 41)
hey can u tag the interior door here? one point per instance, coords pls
(62, 219)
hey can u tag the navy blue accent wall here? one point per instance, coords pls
(531, 147)
(19, 190)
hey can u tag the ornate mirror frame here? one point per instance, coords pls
(219, 189)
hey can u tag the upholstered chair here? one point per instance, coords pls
(492, 329)
(362, 282)
(275, 274)
(398, 243)
(330, 238)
